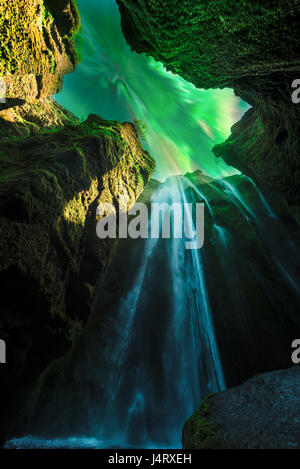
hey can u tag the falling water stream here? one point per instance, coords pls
(167, 355)
(158, 345)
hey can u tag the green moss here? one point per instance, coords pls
(18, 23)
(212, 43)
(46, 16)
(203, 432)
(140, 128)
(28, 46)
(204, 407)
(198, 430)
(77, 38)
(77, 27)
(58, 173)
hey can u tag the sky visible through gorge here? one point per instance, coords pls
(182, 123)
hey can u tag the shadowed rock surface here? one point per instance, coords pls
(262, 413)
(250, 46)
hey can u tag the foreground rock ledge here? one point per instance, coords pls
(262, 413)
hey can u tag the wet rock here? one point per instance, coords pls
(262, 413)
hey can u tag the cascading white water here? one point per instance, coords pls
(171, 359)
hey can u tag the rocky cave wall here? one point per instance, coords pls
(37, 47)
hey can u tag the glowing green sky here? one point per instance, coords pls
(182, 123)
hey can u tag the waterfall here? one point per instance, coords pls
(267, 206)
(156, 350)
(171, 359)
(162, 357)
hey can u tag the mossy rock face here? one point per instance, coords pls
(262, 413)
(250, 46)
(33, 119)
(37, 47)
(198, 431)
(264, 144)
(51, 259)
(215, 43)
(50, 185)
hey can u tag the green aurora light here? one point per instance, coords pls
(182, 123)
